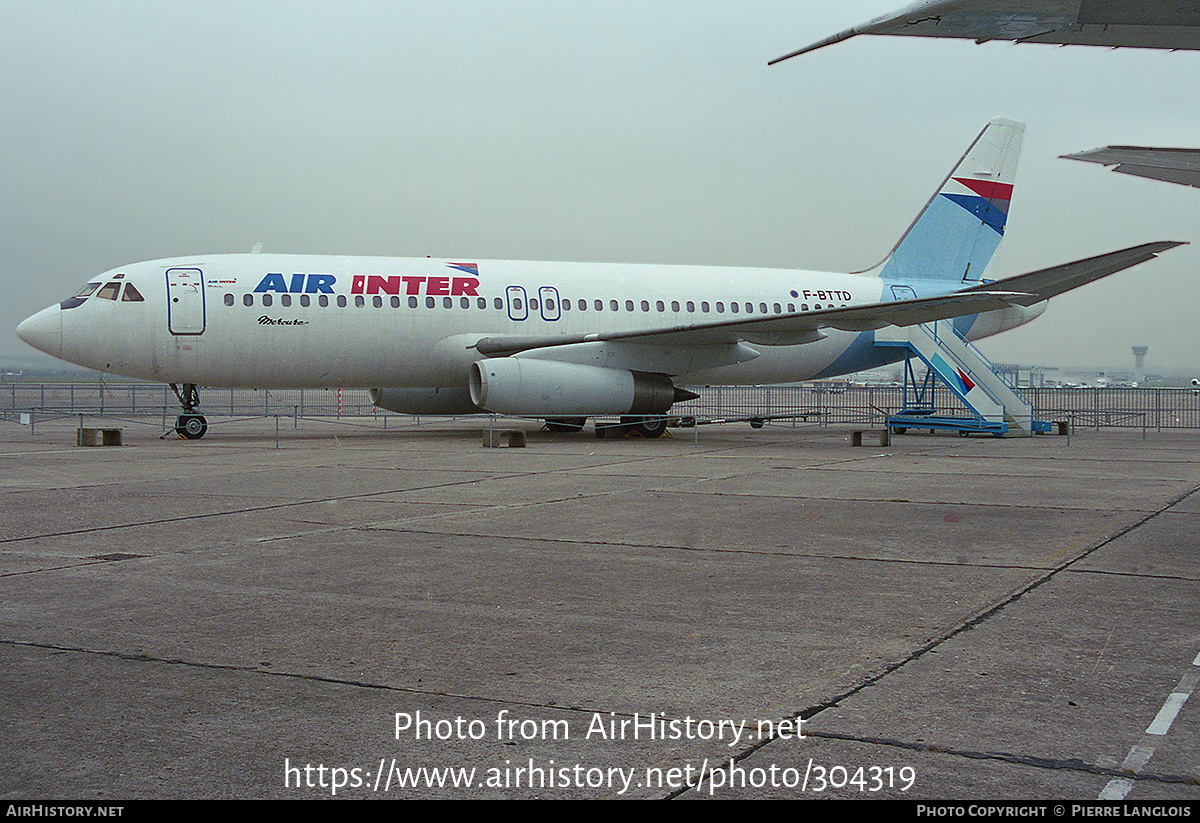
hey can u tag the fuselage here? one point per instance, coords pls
(283, 321)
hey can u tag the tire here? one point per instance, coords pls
(648, 427)
(191, 426)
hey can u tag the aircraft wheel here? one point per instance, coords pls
(565, 424)
(191, 426)
(756, 422)
(900, 429)
(648, 427)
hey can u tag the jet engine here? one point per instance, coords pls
(547, 388)
(450, 401)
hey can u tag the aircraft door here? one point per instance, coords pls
(518, 306)
(185, 301)
(549, 303)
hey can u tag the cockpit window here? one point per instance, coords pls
(108, 291)
(131, 295)
(79, 296)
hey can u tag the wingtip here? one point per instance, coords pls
(820, 44)
(1089, 156)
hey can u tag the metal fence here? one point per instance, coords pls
(821, 403)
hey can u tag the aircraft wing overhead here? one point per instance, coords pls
(802, 327)
(1145, 24)
(1172, 165)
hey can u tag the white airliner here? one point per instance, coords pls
(560, 341)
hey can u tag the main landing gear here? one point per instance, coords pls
(190, 425)
(648, 427)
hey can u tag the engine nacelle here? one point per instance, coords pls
(425, 401)
(993, 322)
(546, 388)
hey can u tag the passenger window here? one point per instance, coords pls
(466, 302)
(498, 302)
(628, 305)
(412, 302)
(109, 291)
(285, 300)
(305, 300)
(395, 301)
(614, 305)
(341, 301)
(430, 302)
(583, 305)
(733, 307)
(248, 300)
(704, 306)
(645, 305)
(447, 302)
(778, 309)
(229, 300)
(377, 301)
(691, 306)
(132, 295)
(720, 307)
(266, 299)
(359, 301)
(674, 305)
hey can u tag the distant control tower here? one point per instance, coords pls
(1139, 364)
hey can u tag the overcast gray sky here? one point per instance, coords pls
(648, 131)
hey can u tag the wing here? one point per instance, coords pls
(1172, 165)
(1047, 283)
(1145, 24)
(723, 341)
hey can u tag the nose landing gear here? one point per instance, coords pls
(190, 425)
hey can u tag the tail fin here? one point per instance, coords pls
(953, 239)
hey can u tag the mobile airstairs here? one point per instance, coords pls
(997, 407)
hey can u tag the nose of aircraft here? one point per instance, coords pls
(43, 330)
